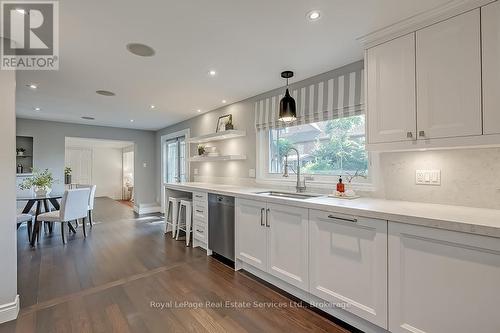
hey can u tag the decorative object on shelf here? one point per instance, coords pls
(229, 124)
(346, 191)
(211, 151)
(20, 151)
(19, 168)
(222, 122)
(201, 150)
(67, 175)
(288, 108)
(40, 182)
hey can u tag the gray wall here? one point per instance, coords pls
(8, 278)
(49, 144)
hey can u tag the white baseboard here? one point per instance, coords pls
(9, 311)
(147, 208)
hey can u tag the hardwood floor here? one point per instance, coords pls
(127, 276)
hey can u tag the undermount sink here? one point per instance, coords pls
(292, 195)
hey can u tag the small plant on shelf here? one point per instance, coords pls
(41, 182)
(201, 150)
(20, 151)
(67, 175)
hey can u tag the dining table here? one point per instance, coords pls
(39, 200)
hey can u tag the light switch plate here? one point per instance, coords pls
(428, 177)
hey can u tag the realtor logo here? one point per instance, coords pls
(30, 35)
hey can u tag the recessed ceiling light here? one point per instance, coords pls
(32, 86)
(141, 50)
(88, 118)
(314, 15)
(105, 93)
(131, 120)
(152, 106)
(198, 110)
(37, 109)
(224, 101)
(212, 73)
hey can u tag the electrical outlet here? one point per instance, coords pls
(428, 177)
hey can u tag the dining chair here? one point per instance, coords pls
(25, 218)
(91, 200)
(74, 206)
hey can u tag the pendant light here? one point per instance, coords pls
(288, 109)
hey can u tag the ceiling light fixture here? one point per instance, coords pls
(152, 106)
(288, 108)
(224, 101)
(105, 93)
(314, 15)
(88, 118)
(141, 50)
(131, 120)
(198, 110)
(32, 86)
(37, 109)
(212, 73)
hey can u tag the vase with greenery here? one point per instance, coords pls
(41, 182)
(20, 151)
(67, 175)
(201, 150)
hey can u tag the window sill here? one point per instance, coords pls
(319, 184)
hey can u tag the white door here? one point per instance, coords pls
(80, 162)
(391, 114)
(288, 244)
(491, 67)
(449, 78)
(442, 281)
(348, 263)
(251, 233)
(175, 160)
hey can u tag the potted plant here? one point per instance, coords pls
(201, 150)
(67, 175)
(20, 151)
(40, 182)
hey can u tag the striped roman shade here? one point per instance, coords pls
(335, 94)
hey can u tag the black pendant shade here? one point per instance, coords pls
(288, 108)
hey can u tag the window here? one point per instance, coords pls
(327, 148)
(175, 160)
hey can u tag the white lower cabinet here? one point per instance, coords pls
(442, 281)
(274, 239)
(287, 245)
(348, 263)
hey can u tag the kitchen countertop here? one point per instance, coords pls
(480, 221)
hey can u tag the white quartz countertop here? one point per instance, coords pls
(478, 221)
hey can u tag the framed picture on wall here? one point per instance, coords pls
(224, 123)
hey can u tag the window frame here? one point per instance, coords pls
(312, 180)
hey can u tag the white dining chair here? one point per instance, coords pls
(25, 218)
(91, 200)
(74, 206)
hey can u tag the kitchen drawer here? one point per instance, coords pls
(200, 196)
(200, 232)
(200, 211)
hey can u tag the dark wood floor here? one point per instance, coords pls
(118, 278)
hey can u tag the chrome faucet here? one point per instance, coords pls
(300, 187)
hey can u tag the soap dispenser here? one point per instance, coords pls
(340, 186)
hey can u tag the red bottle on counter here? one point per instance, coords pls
(340, 186)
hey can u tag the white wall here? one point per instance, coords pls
(107, 172)
(8, 247)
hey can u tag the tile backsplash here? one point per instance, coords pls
(469, 177)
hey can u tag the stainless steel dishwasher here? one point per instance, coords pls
(221, 225)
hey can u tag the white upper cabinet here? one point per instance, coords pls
(448, 57)
(491, 68)
(288, 244)
(251, 233)
(391, 109)
(348, 263)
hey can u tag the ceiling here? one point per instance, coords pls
(247, 42)
(96, 143)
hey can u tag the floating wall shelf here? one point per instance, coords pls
(225, 135)
(218, 158)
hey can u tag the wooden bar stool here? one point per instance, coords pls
(173, 213)
(186, 207)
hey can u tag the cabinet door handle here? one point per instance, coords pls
(409, 135)
(353, 220)
(262, 217)
(421, 133)
(199, 211)
(267, 218)
(198, 230)
(199, 196)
